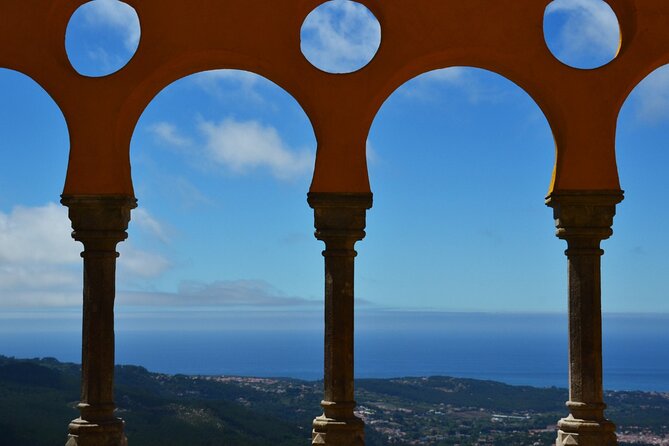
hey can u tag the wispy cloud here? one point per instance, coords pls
(372, 155)
(224, 293)
(141, 264)
(423, 86)
(590, 30)
(104, 60)
(169, 134)
(652, 97)
(116, 15)
(452, 75)
(187, 194)
(48, 297)
(340, 36)
(241, 146)
(476, 88)
(149, 224)
(21, 278)
(230, 84)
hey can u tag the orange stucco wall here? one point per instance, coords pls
(180, 38)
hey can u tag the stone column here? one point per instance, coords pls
(340, 223)
(100, 223)
(584, 219)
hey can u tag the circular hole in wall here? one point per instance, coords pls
(582, 33)
(102, 37)
(340, 36)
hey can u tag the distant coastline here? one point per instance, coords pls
(183, 409)
(517, 349)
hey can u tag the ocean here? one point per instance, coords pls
(520, 349)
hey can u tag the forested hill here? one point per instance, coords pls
(177, 410)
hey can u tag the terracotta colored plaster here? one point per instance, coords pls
(182, 37)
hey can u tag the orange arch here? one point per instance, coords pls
(180, 37)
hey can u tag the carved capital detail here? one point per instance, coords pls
(584, 218)
(340, 218)
(99, 221)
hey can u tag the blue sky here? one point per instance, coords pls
(460, 162)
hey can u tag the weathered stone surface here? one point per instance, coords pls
(579, 432)
(86, 433)
(584, 219)
(100, 223)
(338, 432)
(340, 222)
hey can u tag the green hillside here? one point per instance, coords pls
(175, 410)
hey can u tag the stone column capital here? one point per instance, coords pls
(340, 218)
(584, 213)
(99, 216)
(99, 221)
(584, 218)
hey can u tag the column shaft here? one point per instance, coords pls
(585, 327)
(97, 359)
(339, 334)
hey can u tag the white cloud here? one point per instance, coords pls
(340, 36)
(117, 15)
(590, 29)
(169, 134)
(37, 235)
(652, 97)
(228, 293)
(40, 262)
(244, 145)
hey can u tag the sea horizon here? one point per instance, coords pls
(514, 348)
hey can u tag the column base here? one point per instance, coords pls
(337, 432)
(101, 433)
(576, 432)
